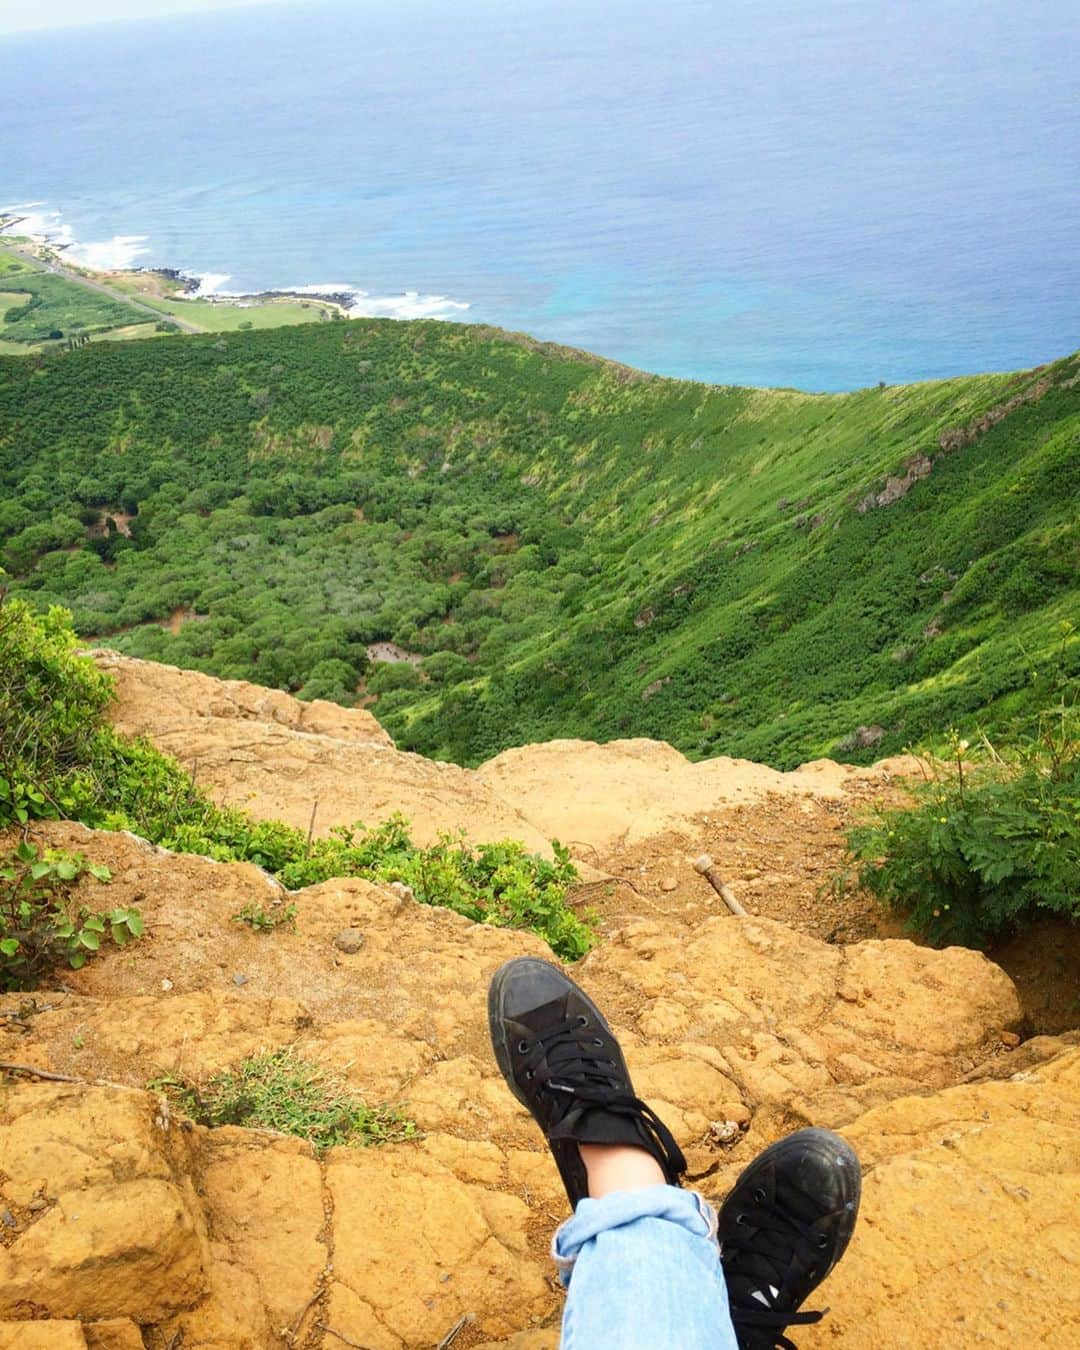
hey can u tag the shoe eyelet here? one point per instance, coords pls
(523, 1047)
(740, 1218)
(597, 1041)
(823, 1240)
(759, 1196)
(583, 1021)
(529, 1075)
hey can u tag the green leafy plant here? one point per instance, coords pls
(984, 844)
(280, 1091)
(51, 706)
(500, 883)
(60, 758)
(42, 924)
(266, 920)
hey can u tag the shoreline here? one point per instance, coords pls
(49, 241)
(174, 298)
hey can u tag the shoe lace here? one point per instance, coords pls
(756, 1269)
(571, 1066)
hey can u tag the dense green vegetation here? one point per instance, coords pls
(59, 758)
(567, 548)
(989, 840)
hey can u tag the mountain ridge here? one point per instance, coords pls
(564, 549)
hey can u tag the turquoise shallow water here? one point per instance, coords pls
(760, 191)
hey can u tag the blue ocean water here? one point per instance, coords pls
(770, 192)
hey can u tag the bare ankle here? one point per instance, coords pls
(619, 1167)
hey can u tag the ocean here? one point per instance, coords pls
(772, 192)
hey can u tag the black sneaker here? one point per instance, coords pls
(561, 1061)
(784, 1226)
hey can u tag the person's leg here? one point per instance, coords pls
(642, 1271)
(639, 1256)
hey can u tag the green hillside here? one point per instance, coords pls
(572, 548)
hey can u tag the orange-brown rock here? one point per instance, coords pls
(126, 1225)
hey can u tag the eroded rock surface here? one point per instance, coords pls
(227, 1236)
(125, 1225)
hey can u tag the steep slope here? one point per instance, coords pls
(633, 814)
(120, 1210)
(564, 547)
(125, 1225)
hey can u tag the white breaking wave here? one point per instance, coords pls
(407, 305)
(117, 254)
(210, 284)
(47, 227)
(120, 253)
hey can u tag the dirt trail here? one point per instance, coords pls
(123, 1225)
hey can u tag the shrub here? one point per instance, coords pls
(51, 705)
(42, 924)
(59, 759)
(500, 884)
(282, 1092)
(982, 847)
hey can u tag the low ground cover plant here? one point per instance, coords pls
(281, 1091)
(261, 920)
(988, 840)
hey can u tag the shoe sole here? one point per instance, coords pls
(843, 1162)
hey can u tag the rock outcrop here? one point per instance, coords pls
(124, 1224)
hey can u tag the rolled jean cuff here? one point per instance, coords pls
(592, 1217)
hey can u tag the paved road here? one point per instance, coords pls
(81, 280)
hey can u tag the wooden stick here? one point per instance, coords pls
(704, 866)
(451, 1335)
(320, 1290)
(311, 823)
(331, 1332)
(40, 1073)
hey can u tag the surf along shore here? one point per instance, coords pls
(68, 299)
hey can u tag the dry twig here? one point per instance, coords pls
(451, 1335)
(40, 1073)
(331, 1332)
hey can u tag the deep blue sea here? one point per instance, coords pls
(770, 192)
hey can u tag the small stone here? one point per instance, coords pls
(669, 884)
(166, 985)
(724, 1131)
(399, 888)
(1009, 1038)
(8, 1219)
(349, 941)
(239, 979)
(37, 1205)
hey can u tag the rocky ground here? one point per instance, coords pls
(124, 1225)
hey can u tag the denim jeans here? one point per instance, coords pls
(642, 1272)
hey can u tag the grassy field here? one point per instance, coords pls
(43, 304)
(569, 547)
(11, 264)
(38, 309)
(217, 316)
